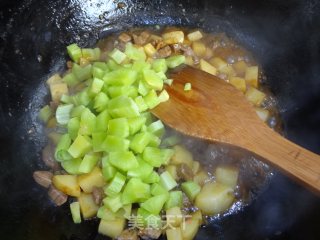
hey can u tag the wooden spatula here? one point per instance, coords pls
(216, 111)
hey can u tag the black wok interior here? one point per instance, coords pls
(283, 35)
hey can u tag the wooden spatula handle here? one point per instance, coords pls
(303, 165)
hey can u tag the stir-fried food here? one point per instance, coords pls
(114, 160)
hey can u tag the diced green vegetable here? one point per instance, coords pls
(155, 204)
(75, 212)
(167, 181)
(73, 127)
(117, 55)
(171, 141)
(143, 88)
(92, 54)
(134, 53)
(82, 73)
(168, 81)
(142, 171)
(72, 166)
(155, 156)
(70, 79)
(123, 107)
(118, 127)
(96, 85)
(63, 113)
(108, 172)
(135, 124)
(116, 91)
(152, 99)
(140, 65)
(100, 102)
(45, 113)
(152, 79)
(63, 145)
(157, 189)
(102, 121)
(159, 65)
(191, 189)
(124, 161)
(115, 144)
(121, 76)
(88, 162)
(140, 141)
(187, 87)
(141, 103)
(175, 61)
(163, 96)
(152, 178)
(87, 122)
(97, 141)
(74, 52)
(113, 203)
(79, 147)
(135, 191)
(174, 200)
(157, 128)
(115, 185)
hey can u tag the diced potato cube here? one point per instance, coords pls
(155, 37)
(57, 90)
(263, 114)
(201, 178)
(228, 70)
(251, 76)
(208, 54)
(67, 184)
(218, 63)
(195, 167)
(174, 217)
(214, 198)
(207, 67)
(172, 169)
(112, 228)
(227, 175)
(195, 36)
(187, 42)
(173, 37)
(149, 49)
(255, 96)
(190, 229)
(54, 79)
(87, 205)
(199, 48)
(174, 234)
(89, 180)
(238, 83)
(198, 216)
(189, 60)
(240, 68)
(181, 155)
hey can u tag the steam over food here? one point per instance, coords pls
(114, 161)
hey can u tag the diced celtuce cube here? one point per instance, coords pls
(79, 147)
(263, 114)
(124, 161)
(199, 48)
(163, 96)
(251, 76)
(255, 96)
(218, 63)
(173, 37)
(117, 55)
(118, 127)
(149, 49)
(238, 83)
(240, 68)
(87, 205)
(152, 79)
(174, 216)
(207, 67)
(75, 212)
(195, 36)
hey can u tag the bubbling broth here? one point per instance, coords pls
(116, 162)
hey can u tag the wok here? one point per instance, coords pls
(283, 35)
